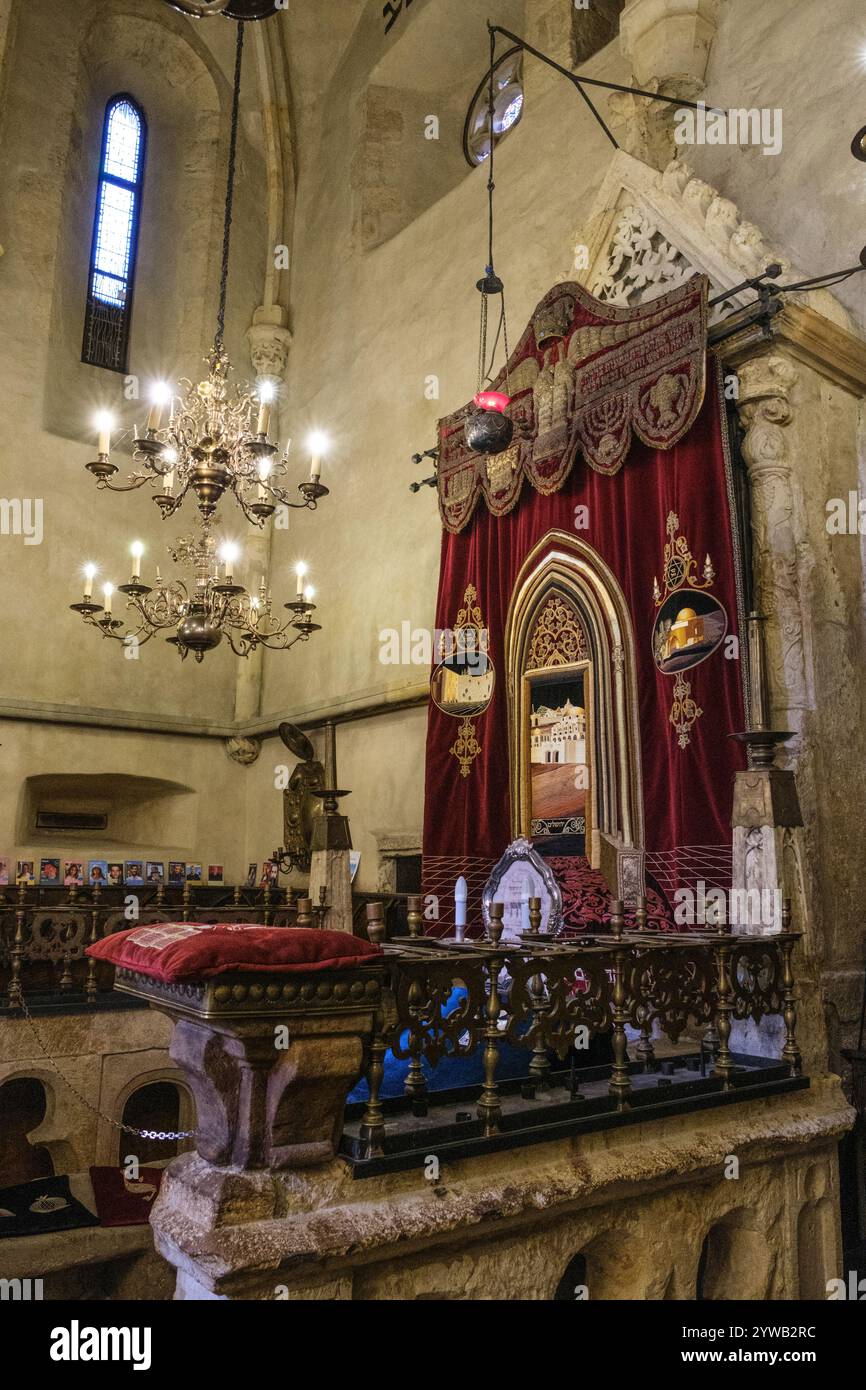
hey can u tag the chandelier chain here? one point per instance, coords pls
(230, 188)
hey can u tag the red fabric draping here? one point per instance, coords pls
(687, 791)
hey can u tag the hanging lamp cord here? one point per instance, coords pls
(230, 190)
(485, 372)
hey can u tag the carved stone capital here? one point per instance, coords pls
(669, 41)
(765, 796)
(243, 750)
(269, 350)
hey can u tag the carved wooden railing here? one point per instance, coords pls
(537, 994)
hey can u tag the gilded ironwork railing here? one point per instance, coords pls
(538, 993)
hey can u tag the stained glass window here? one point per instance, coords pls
(115, 236)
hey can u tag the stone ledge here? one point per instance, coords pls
(225, 1235)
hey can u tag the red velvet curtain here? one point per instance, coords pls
(687, 791)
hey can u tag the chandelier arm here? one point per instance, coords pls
(133, 483)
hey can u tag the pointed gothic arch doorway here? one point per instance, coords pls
(573, 713)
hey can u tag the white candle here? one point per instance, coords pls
(300, 571)
(168, 485)
(266, 395)
(89, 573)
(137, 550)
(460, 896)
(108, 590)
(318, 444)
(104, 423)
(160, 398)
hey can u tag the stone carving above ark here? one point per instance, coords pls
(243, 750)
(648, 231)
(269, 349)
(641, 262)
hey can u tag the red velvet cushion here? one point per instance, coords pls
(196, 951)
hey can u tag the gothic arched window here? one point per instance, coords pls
(115, 236)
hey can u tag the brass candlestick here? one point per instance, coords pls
(305, 912)
(375, 913)
(414, 904)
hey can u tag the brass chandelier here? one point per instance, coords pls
(214, 443)
(213, 606)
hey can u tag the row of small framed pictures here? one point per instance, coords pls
(125, 873)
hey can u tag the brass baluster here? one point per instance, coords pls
(416, 1082)
(414, 905)
(372, 1129)
(236, 895)
(266, 898)
(186, 899)
(489, 1105)
(724, 1063)
(305, 912)
(790, 1052)
(535, 916)
(539, 1067)
(620, 1080)
(90, 981)
(66, 980)
(645, 1051)
(17, 952)
(160, 895)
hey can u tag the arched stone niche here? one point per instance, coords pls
(125, 1074)
(735, 1260)
(564, 568)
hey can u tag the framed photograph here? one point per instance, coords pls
(115, 873)
(4, 872)
(49, 871)
(24, 872)
(251, 876)
(269, 874)
(97, 873)
(134, 875)
(522, 874)
(215, 874)
(73, 873)
(155, 872)
(176, 871)
(193, 873)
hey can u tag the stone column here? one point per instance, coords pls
(765, 385)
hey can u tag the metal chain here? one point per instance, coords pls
(230, 189)
(161, 1135)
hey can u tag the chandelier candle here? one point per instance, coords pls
(89, 575)
(104, 423)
